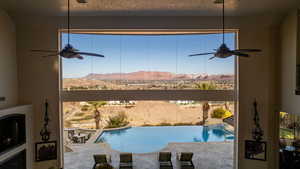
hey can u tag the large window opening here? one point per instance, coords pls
(147, 96)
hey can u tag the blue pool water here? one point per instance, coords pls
(151, 139)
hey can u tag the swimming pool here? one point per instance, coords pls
(151, 139)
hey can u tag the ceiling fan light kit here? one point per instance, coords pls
(223, 51)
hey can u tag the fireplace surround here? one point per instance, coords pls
(18, 161)
(16, 138)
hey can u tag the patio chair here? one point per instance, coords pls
(165, 160)
(185, 160)
(71, 134)
(87, 137)
(75, 139)
(125, 161)
(101, 159)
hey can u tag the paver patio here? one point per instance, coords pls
(211, 155)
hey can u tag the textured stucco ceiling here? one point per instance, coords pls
(148, 7)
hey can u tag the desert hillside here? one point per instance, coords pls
(141, 113)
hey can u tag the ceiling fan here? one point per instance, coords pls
(68, 51)
(223, 51)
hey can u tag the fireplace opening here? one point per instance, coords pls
(12, 132)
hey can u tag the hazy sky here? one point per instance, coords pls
(131, 53)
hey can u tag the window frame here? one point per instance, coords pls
(186, 94)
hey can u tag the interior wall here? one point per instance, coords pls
(289, 101)
(39, 77)
(8, 61)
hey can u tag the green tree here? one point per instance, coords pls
(96, 105)
(206, 86)
(205, 105)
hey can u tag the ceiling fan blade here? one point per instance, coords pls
(46, 51)
(89, 54)
(79, 57)
(248, 50)
(240, 54)
(200, 54)
(57, 54)
(212, 58)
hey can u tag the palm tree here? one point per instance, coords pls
(205, 105)
(226, 106)
(205, 110)
(97, 114)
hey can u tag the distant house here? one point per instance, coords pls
(182, 101)
(114, 102)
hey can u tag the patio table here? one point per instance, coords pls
(80, 137)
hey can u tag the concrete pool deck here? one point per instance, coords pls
(210, 155)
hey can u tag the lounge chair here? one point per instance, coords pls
(165, 160)
(185, 160)
(125, 161)
(101, 159)
(87, 137)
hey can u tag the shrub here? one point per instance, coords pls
(164, 124)
(87, 117)
(85, 108)
(183, 124)
(78, 88)
(79, 114)
(221, 113)
(147, 125)
(116, 121)
(206, 86)
(286, 133)
(104, 87)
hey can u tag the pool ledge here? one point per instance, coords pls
(167, 147)
(120, 128)
(108, 146)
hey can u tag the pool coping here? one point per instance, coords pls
(99, 132)
(119, 128)
(164, 149)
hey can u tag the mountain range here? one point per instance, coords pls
(156, 75)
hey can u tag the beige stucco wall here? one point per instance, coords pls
(8, 61)
(39, 77)
(289, 101)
